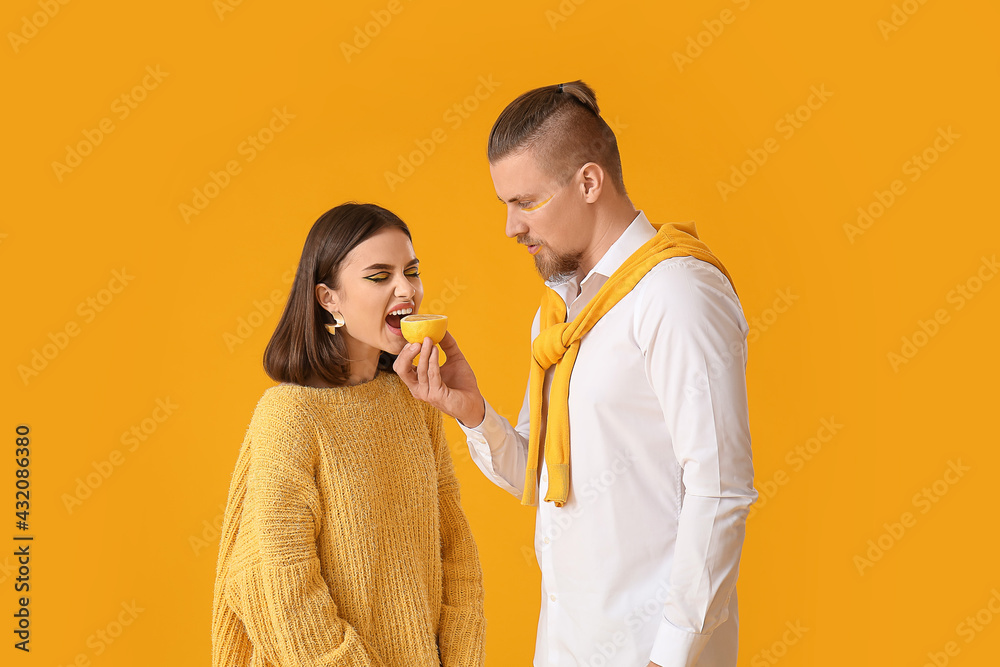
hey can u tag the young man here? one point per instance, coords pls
(634, 431)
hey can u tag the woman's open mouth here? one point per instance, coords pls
(393, 318)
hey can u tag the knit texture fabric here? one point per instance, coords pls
(343, 541)
(558, 342)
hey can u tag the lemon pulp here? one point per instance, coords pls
(416, 327)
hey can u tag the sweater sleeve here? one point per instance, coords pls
(280, 592)
(462, 630)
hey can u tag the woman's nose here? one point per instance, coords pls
(404, 288)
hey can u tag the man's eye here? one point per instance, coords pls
(524, 204)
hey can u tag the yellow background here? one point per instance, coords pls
(146, 535)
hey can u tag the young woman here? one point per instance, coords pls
(344, 541)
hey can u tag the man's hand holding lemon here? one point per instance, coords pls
(450, 388)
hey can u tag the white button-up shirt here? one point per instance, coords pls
(641, 562)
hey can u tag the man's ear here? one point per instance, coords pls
(327, 297)
(592, 181)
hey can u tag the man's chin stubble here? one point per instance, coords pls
(560, 270)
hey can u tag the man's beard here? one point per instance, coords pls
(557, 268)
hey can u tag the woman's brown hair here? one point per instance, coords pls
(301, 346)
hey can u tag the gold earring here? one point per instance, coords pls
(338, 321)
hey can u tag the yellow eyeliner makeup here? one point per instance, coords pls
(537, 206)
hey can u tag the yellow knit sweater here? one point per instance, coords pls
(344, 542)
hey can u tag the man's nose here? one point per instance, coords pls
(515, 224)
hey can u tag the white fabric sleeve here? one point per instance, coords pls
(692, 333)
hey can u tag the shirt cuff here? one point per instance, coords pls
(492, 432)
(493, 427)
(675, 647)
(477, 429)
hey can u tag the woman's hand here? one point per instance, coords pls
(451, 388)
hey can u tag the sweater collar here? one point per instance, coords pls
(359, 393)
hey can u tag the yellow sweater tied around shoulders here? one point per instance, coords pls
(558, 342)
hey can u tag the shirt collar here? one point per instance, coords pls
(637, 233)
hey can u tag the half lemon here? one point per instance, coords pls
(417, 327)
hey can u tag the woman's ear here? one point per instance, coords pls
(327, 297)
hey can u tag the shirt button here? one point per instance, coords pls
(552, 597)
(546, 540)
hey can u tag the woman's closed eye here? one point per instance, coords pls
(384, 275)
